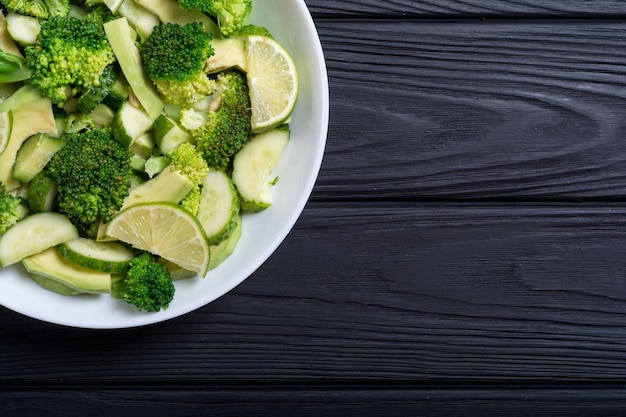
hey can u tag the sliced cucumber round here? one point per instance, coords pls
(23, 29)
(219, 206)
(168, 134)
(129, 123)
(111, 257)
(33, 156)
(253, 164)
(35, 234)
(42, 193)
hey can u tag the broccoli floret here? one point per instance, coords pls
(174, 57)
(10, 210)
(92, 172)
(186, 159)
(100, 14)
(191, 202)
(147, 284)
(227, 128)
(41, 9)
(189, 161)
(69, 57)
(78, 122)
(231, 15)
(93, 96)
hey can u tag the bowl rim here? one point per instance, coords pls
(322, 104)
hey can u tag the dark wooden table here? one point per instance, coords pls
(463, 252)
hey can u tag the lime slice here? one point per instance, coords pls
(273, 82)
(6, 120)
(166, 230)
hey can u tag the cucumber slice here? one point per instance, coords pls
(253, 164)
(130, 123)
(168, 134)
(221, 251)
(51, 265)
(137, 163)
(88, 101)
(219, 206)
(34, 155)
(112, 257)
(23, 29)
(42, 193)
(155, 165)
(102, 116)
(143, 145)
(35, 234)
(118, 93)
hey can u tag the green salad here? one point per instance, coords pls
(134, 135)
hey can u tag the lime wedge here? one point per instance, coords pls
(165, 230)
(273, 82)
(6, 122)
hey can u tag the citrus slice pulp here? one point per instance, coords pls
(165, 230)
(272, 80)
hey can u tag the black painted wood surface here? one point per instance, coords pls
(463, 252)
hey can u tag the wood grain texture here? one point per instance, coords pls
(458, 110)
(315, 400)
(380, 293)
(467, 8)
(462, 254)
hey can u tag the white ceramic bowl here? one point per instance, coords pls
(291, 24)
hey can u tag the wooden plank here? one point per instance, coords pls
(467, 8)
(499, 110)
(290, 400)
(380, 293)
